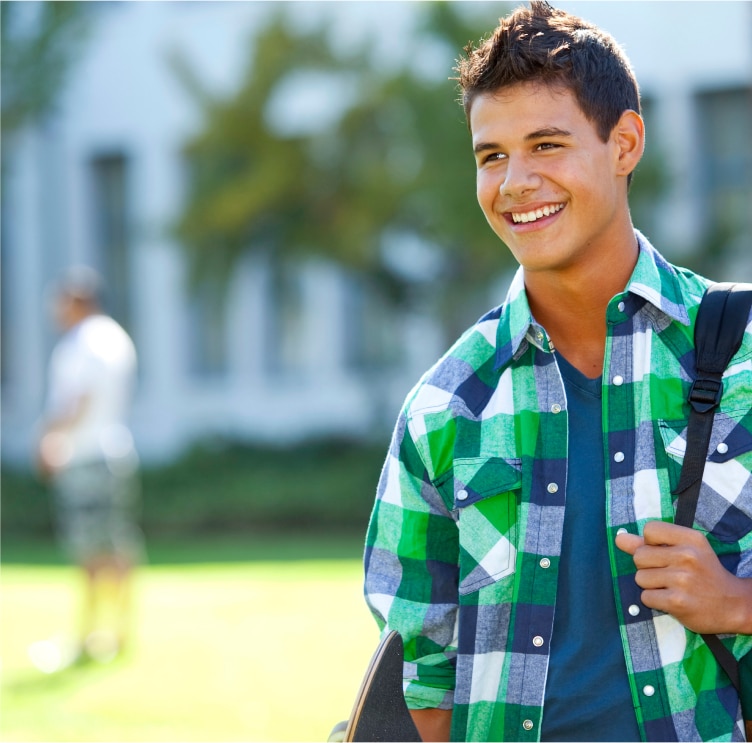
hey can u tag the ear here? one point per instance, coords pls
(629, 136)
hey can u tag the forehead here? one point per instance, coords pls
(525, 108)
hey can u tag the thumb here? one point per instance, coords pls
(629, 542)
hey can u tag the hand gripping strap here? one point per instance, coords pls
(719, 331)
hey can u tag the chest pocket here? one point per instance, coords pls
(485, 494)
(724, 508)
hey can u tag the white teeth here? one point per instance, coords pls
(537, 213)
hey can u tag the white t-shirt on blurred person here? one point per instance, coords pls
(95, 360)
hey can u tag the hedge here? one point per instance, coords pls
(225, 487)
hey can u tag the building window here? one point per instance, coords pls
(111, 212)
(725, 160)
(207, 342)
(284, 329)
(370, 341)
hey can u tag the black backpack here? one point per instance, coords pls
(719, 330)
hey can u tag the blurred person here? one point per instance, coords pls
(86, 453)
(522, 541)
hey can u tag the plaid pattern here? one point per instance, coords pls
(463, 545)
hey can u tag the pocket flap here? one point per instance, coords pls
(735, 438)
(476, 478)
(731, 436)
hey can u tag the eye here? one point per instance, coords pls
(493, 157)
(547, 146)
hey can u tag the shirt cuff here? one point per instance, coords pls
(420, 696)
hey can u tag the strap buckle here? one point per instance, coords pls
(705, 394)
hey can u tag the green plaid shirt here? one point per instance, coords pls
(464, 541)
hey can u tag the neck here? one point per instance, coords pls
(571, 306)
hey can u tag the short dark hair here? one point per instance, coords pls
(83, 284)
(547, 45)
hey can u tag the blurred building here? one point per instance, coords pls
(101, 179)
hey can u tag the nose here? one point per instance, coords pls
(520, 178)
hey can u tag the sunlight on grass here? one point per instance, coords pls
(252, 651)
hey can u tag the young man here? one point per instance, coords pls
(522, 540)
(87, 453)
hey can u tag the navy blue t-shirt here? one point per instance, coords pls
(587, 691)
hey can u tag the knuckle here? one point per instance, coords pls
(679, 607)
(689, 558)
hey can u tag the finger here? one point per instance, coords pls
(656, 598)
(653, 557)
(663, 533)
(653, 578)
(629, 543)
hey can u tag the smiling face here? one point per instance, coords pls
(549, 186)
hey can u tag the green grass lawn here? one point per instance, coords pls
(255, 651)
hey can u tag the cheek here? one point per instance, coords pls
(486, 190)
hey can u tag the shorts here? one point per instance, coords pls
(96, 512)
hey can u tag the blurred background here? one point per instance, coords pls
(280, 197)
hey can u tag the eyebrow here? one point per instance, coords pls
(549, 131)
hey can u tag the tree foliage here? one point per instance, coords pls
(39, 42)
(393, 165)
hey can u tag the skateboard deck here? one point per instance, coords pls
(380, 712)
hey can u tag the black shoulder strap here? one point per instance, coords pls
(719, 331)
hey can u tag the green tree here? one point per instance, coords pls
(39, 41)
(393, 165)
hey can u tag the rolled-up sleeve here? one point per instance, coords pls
(411, 567)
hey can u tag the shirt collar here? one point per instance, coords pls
(657, 281)
(653, 279)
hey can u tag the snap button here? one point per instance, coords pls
(528, 724)
(552, 487)
(634, 610)
(545, 563)
(462, 495)
(619, 456)
(556, 408)
(618, 380)
(537, 641)
(621, 306)
(648, 690)
(722, 448)
(622, 530)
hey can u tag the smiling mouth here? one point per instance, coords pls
(535, 214)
